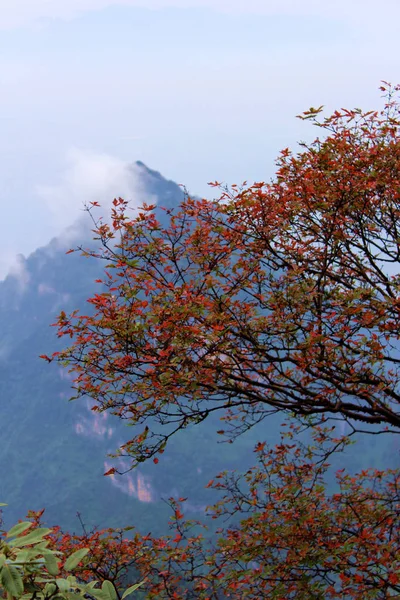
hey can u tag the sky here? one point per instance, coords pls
(200, 90)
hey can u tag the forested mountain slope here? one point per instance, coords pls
(54, 452)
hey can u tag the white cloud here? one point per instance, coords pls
(18, 270)
(88, 177)
(44, 289)
(22, 12)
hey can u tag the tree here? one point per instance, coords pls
(276, 297)
(30, 568)
(298, 539)
(284, 535)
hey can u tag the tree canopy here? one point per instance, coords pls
(284, 535)
(281, 296)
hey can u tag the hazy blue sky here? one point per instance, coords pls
(197, 89)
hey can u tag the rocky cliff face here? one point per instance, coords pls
(54, 453)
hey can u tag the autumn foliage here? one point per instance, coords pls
(278, 297)
(284, 535)
(32, 567)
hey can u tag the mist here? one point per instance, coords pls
(86, 177)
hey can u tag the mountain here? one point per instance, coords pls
(54, 452)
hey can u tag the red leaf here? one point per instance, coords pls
(110, 472)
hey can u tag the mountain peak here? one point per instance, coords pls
(168, 193)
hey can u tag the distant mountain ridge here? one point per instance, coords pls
(54, 453)
(45, 281)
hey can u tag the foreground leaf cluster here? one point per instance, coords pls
(32, 568)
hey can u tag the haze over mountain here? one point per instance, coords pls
(204, 90)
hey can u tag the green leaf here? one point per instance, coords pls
(75, 558)
(19, 528)
(131, 589)
(109, 589)
(99, 594)
(26, 556)
(51, 563)
(50, 588)
(89, 586)
(11, 580)
(71, 596)
(43, 546)
(63, 585)
(31, 538)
